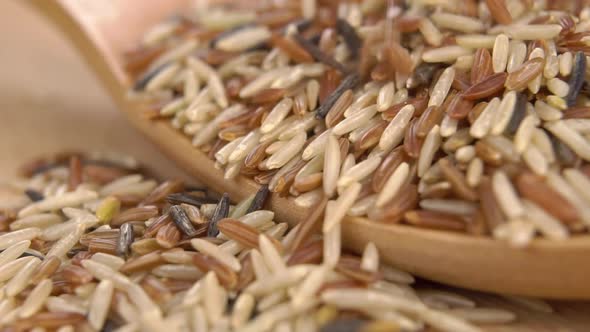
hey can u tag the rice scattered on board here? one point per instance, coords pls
(179, 286)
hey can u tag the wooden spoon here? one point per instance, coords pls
(103, 30)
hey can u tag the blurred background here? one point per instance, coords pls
(50, 101)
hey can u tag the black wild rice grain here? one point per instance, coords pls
(259, 199)
(178, 198)
(349, 82)
(518, 114)
(126, 237)
(351, 38)
(221, 211)
(34, 195)
(182, 221)
(109, 326)
(317, 54)
(577, 78)
(423, 75)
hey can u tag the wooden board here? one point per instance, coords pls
(49, 101)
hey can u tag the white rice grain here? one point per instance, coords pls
(36, 299)
(293, 147)
(11, 238)
(523, 135)
(517, 55)
(310, 285)
(61, 247)
(484, 122)
(506, 195)
(22, 278)
(393, 184)
(312, 91)
(100, 304)
(504, 113)
(359, 171)
(429, 149)
(246, 145)
(430, 32)
(214, 307)
(455, 22)
(500, 53)
(331, 165)
(41, 220)
(355, 120)
(244, 39)
(75, 198)
(570, 137)
(212, 250)
(277, 281)
(394, 132)
(370, 258)
(451, 206)
(442, 87)
(558, 87)
(271, 256)
(475, 41)
(551, 67)
(385, 97)
(547, 112)
(535, 84)
(566, 63)
(545, 223)
(579, 181)
(242, 310)
(484, 315)
(535, 160)
(13, 252)
(533, 31)
(341, 206)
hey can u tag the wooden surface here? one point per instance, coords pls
(50, 102)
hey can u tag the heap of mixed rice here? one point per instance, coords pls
(468, 116)
(91, 244)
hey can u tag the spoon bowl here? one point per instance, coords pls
(103, 30)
